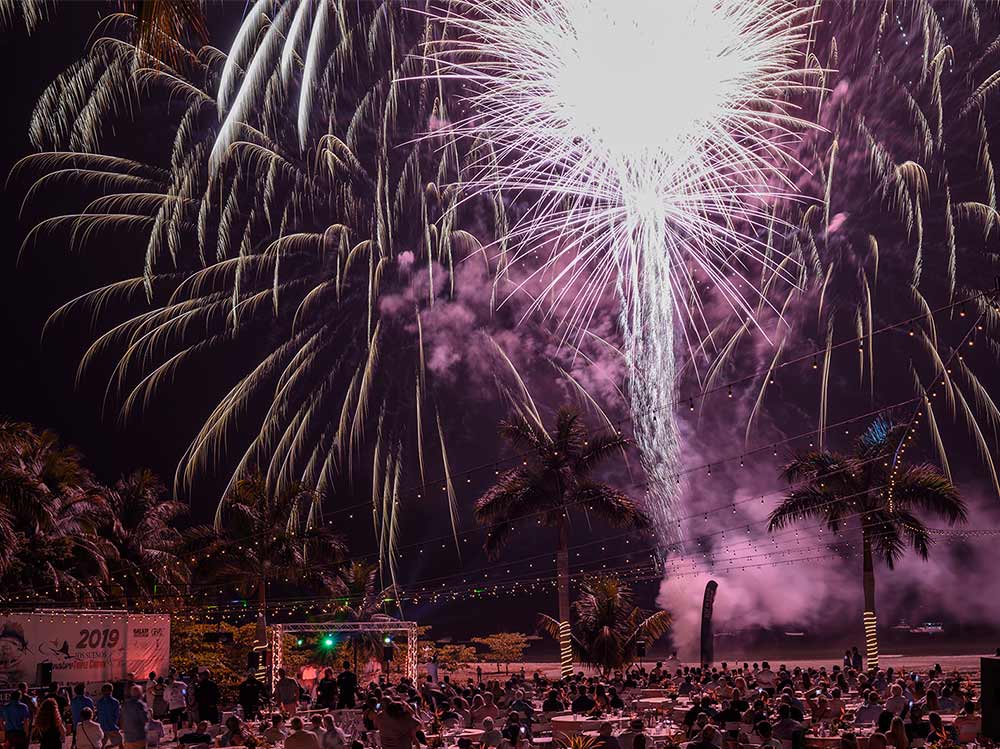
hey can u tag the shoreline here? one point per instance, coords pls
(898, 661)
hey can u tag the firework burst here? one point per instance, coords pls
(652, 139)
(901, 225)
(299, 233)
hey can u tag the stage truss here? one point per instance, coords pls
(382, 628)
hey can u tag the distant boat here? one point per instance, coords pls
(795, 634)
(928, 628)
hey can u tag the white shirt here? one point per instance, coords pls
(174, 696)
(766, 678)
(89, 735)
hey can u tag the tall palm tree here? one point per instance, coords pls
(609, 625)
(52, 508)
(554, 479)
(270, 537)
(141, 525)
(836, 488)
(363, 599)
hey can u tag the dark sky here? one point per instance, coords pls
(37, 377)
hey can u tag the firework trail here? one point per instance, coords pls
(901, 223)
(299, 235)
(653, 137)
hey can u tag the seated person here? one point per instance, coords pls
(786, 727)
(878, 741)
(605, 739)
(708, 738)
(767, 740)
(916, 726)
(552, 703)
(869, 712)
(583, 703)
(627, 738)
(198, 736)
(491, 736)
(276, 731)
(968, 724)
(300, 738)
(513, 731)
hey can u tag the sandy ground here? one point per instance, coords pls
(899, 662)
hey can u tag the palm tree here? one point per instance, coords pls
(272, 537)
(834, 488)
(52, 510)
(141, 525)
(363, 600)
(555, 478)
(608, 625)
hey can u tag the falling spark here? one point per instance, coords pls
(653, 136)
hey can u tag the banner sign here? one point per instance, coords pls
(82, 646)
(707, 636)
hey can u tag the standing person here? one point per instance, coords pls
(250, 696)
(326, 691)
(80, 700)
(48, 727)
(857, 662)
(135, 718)
(17, 721)
(88, 733)
(206, 697)
(109, 712)
(347, 687)
(158, 695)
(287, 692)
(308, 677)
(175, 695)
(28, 700)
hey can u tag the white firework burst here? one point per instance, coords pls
(652, 138)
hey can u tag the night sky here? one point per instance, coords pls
(37, 385)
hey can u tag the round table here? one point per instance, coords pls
(656, 703)
(574, 724)
(464, 733)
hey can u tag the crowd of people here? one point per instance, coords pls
(723, 707)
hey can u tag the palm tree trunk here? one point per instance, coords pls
(868, 580)
(262, 613)
(562, 577)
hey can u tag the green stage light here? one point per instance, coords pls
(300, 642)
(328, 641)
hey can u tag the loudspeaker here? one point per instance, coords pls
(225, 637)
(640, 648)
(388, 652)
(43, 674)
(989, 701)
(253, 660)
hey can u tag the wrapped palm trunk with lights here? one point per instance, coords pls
(562, 573)
(871, 633)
